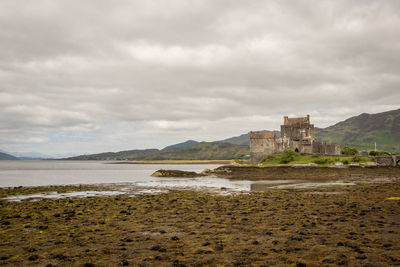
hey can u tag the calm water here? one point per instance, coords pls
(54, 172)
(133, 176)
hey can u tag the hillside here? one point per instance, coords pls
(364, 130)
(121, 155)
(5, 156)
(244, 139)
(202, 151)
(359, 131)
(181, 145)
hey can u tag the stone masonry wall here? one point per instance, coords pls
(388, 160)
(324, 148)
(260, 148)
(297, 134)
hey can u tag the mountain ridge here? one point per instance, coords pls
(360, 131)
(181, 145)
(6, 156)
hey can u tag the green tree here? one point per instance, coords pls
(349, 151)
(378, 153)
(288, 156)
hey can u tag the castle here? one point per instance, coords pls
(297, 134)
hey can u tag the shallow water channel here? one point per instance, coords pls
(130, 179)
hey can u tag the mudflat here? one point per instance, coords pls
(306, 172)
(347, 226)
(178, 162)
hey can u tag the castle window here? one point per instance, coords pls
(296, 150)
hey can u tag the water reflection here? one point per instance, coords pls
(133, 179)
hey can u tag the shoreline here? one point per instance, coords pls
(304, 172)
(174, 162)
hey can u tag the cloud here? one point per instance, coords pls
(98, 75)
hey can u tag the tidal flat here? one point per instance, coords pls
(344, 225)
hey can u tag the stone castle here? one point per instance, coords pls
(297, 134)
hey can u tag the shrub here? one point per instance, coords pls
(288, 156)
(321, 160)
(349, 150)
(355, 159)
(378, 153)
(373, 153)
(345, 161)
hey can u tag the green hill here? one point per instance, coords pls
(181, 145)
(121, 155)
(200, 151)
(244, 139)
(360, 131)
(364, 130)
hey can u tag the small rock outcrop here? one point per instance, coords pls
(206, 172)
(175, 173)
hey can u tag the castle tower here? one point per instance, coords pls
(297, 129)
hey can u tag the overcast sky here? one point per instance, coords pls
(93, 76)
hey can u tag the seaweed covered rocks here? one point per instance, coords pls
(175, 173)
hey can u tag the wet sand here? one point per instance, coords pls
(348, 226)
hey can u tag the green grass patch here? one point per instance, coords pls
(291, 158)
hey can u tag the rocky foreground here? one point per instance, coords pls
(254, 173)
(347, 226)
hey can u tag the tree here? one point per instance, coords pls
(349, 151)
(378, 153)
(287, 156)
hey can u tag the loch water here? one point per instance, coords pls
(134, 176)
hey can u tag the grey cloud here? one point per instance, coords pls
(101, 75)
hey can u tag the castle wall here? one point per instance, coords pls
(260, 148)
(324, 148)
(388, 160)
(297, 134)
(298, 131)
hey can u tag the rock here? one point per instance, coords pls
(368, 164)
(206, 172)
(175, 173)
(311, 164)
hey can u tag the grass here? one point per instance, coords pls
(291, 158)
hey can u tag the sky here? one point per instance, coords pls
(93, 76)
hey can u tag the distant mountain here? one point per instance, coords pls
(30, 155)
(199, 151)
(37, 155)
(244, 139)
(360, 131)
(364, 130)
(5, 156)
(121, 155)
(181, 145)
(202, 151)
